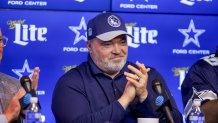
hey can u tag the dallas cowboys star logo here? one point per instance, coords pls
(204, 94)
(24, 71)
(80, 1)
(77, 31)
(187, 2)
(191, 34)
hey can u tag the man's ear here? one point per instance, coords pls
(88, 44)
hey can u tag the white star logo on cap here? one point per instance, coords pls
(77, 30)
(114, 21)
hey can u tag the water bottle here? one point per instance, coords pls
(196, 116)
(33, 114)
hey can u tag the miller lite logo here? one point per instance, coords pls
(142, 35)
(25, 33)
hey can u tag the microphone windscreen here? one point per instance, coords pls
(159, 102)
(157, 86)
(161, 98)
(25, 101)
(26, 83)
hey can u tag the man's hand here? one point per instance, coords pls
(139, 80)
(13, 109)
(128, 95)
(35, 78)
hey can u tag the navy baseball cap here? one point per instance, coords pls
(106, 26)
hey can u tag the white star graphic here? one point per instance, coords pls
(191, 34)
(76, 30)
(80, 1)
(24, 71)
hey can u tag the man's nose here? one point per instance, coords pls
(116, 49)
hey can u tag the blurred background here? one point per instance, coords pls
(169, 35)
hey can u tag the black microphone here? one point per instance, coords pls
(30, 92)
(26, 83)
(162, 102)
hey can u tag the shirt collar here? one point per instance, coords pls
(93, 66)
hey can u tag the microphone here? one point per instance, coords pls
(26, 83)
(30, 92)
(162, 102)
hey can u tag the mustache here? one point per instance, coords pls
(117, 56)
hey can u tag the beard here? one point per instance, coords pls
(109, 64)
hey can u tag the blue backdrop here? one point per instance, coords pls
(55, 40)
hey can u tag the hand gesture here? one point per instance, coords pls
(13, 109)
(128, 95)
(35, 78)
(139, 79)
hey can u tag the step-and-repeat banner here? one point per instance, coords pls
(157, 6)
(80, 5)
(55, 41)
(167, 6)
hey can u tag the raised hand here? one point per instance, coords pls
(35, 78)
(13, 109)
(138, 79)
(128, 95)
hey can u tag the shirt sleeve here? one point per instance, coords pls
(70, 105)
(113, 113)
(3, 119)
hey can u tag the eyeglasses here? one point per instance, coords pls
(3, 40)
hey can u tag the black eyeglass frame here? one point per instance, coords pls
(4, 40)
